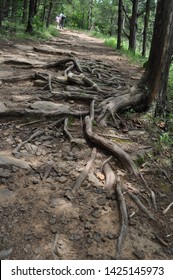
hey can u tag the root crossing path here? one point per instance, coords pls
(72, 185)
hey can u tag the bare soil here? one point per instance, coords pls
(41, 217)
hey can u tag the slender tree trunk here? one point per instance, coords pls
(49, 13)
(155, 78)
(120, 24)
(7, 8)
(133, 26)
(1, 11)
(44, 11)
(90, 12)
(30, 16)
(25, 11)
(146, 21)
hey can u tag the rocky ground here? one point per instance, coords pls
(41, 217)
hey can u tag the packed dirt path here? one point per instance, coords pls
(41, 158)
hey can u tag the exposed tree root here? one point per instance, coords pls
(110, 178)
(152, 194)
(67, 95)
(111, 105)
(40, 113)
(124, 220)
(77, 141)
(167, 208)
(111, 147)
(85, 172)
(141, 205)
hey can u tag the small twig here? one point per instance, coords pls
(68, 70)
(153, 196)
(92, 110)
(161, 240)
(106, 161)
(124, 221)
(57, 123)
(140, 204)
(66, 130)
(48, 170)
(17, 149)
(85, 171)
(167, 208)
(36, 171)
(50, 83)
(53, 249)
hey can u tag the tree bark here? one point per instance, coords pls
(31, 16)
(25, 11)
(1, 10)
(120, 23)
(155, 78)
(133, 26)
(90, 14)
(146, 21)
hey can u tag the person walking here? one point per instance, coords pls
(57, 21)
(62, 20)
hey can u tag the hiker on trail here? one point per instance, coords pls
(62, 20)
(58, 21)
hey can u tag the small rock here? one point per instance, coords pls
(97, 237)
(101, 201)
(87, 225)
(38, 235)
(62, 179)
(52, 221)
(139, 254)
(28, 237)
(5, 173)
(53, 230)
(64, 221)
(96, 214)
(111, 235)
(68, 195)
(35, 181)
(5, 253)
(75, 237)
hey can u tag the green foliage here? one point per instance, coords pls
(111, 42)
(170, 83)
(165, 139)
(133, 58)
(71, 121)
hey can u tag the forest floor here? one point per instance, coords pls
(41, 159)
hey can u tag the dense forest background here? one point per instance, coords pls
(129, 24)
(131, 21)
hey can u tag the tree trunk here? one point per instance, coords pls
(1, 10)
(44, 11)
(146, 21)
(120, 23)
(133, 26)
(25, 11)
(155, 78)
(49, 13)
(90, 11)
(7, 8)
(31, 16)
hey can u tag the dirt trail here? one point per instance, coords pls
(41, 217)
